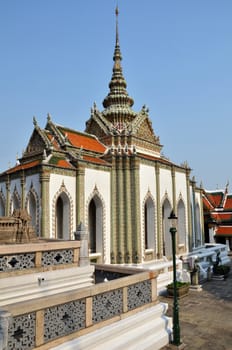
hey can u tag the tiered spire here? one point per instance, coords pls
(118, 95)
(118, 125)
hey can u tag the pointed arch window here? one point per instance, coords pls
(92, 226)
(2, 207)
(15, 204)
(198, 226)
(31, 208)
(149, 223)
(62, 214)
(95, 224)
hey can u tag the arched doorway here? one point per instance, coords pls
(2, 207)
(62, 215)
(15, 204)
(31, 208)
(95, 225)
(149, 223)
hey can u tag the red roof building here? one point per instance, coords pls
(218, 216)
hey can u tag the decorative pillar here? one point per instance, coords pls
(82, 236)
(158, 213)
(128, 213)
(5, 320)
(135, 201)
(22, 190)
(45, 201)
(80, 193)
(190, 228)
(7, 209)
(120, 204)
(195, 243)
(113, 211)
(202, 219)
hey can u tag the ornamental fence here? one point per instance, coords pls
(51, 320)
(37, 257)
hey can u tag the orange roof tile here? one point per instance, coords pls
(215, 216)
(215, 198)
(87, 142)
(147, 156)
(59, 161)
(23, 166)
(222, 216)
(95, 160)
(63, 163)
(228, 203)
(224, 231)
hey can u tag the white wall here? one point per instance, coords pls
(181, 188)
(35, 181)
(147, 181)
(166, 184)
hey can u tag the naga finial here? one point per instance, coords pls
(35, 121)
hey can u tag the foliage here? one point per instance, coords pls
(179, 284)
(221, 269)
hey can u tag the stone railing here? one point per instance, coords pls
(47, 321)
(36, 257)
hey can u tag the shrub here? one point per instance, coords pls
(221, 269)
(178, 284)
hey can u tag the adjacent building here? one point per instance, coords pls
(218, 216)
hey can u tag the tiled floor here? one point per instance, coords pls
(206, 316)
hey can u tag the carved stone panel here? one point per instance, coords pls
(64, 319)
(107, 305)
(59, 257)
(21, 335)
(17, 262)
(139, 294)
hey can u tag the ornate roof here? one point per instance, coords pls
(118, 120)
(59, 146)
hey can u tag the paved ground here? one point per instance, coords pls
(206, 316)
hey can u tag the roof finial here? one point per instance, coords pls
(35, 121)
(116, 11)
(117, 36)
(118, 94)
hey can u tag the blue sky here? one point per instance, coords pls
(56, 57)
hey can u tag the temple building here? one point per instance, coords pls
(218, 216)
(112, 178)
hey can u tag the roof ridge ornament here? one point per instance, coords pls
(117, 36)
(35, 121)
(49, 118)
